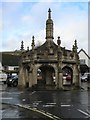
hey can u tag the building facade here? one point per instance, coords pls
(84, 61)
(84, 57)
(51, 61)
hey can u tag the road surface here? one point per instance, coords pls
(54, 105)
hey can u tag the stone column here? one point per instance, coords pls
(60, 79)
(34, 75)
(56, 77)
(21, 81)
(59, 72)
(79, 75)
(76, 77)
(59, 60)
(27, 77)
(30, 79)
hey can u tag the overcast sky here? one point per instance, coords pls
(21, 20)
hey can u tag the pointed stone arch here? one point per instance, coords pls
(47, 73)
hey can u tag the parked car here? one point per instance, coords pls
(12, 81)
(85, 77)
(66, 79)
(88, 79)
(3, 77)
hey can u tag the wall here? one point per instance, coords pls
(82, 55)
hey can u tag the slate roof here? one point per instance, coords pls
(10, 59)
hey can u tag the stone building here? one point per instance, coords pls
(54, 62)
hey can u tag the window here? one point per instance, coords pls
(82, 61)
(16, 68)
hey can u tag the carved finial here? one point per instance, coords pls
(49, 13)
(28, 48)
(74, 49)
(22, 46)
(75, 42)
(32, 39)
(75, 45)
(33, 43)
(58, 41)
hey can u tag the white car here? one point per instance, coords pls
(3, 77)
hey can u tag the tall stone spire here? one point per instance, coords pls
(49, 27)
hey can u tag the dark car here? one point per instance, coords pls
(12, 81)
(68, 77)
(85, 77)
(88, 78)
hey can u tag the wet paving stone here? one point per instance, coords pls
(68, 105)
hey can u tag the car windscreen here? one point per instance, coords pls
(15, 77)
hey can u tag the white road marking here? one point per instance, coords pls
(83, 112)
(11, 92)
(6, 98)
(51, 103)
(48, 105)
(65, 105)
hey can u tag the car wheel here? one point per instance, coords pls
(15, 84)
(4, 82)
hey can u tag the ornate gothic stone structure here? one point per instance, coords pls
(51, 62)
